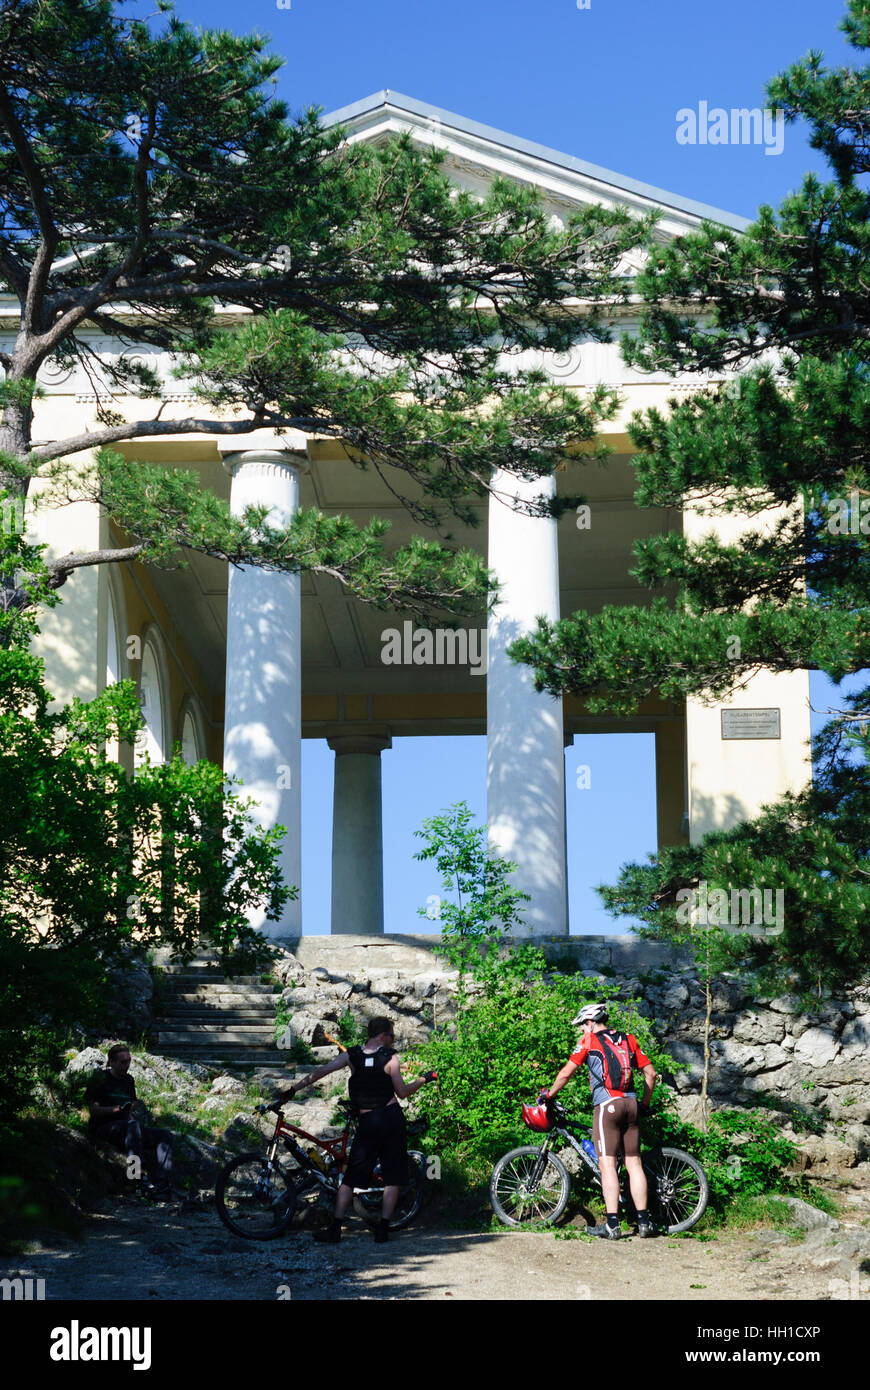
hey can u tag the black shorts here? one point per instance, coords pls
(381, 1135)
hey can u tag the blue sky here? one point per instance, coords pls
(604, 84)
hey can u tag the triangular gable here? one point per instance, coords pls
(476, 153)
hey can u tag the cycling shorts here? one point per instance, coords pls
(615, 1127)
(380, 1137)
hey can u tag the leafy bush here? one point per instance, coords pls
(485, 902)
(513, 1033)
(351, 1032)
(741, 1153)
(508, 1043)
(93, 860)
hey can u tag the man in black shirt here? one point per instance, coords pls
(375, 1087)
(111, 1096)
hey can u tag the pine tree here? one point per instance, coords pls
(811, 849)
(786, 306)
(155, 192)
(783, 310)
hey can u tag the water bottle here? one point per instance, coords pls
(589, 1148)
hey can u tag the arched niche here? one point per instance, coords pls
(154, 699)
(191, 738)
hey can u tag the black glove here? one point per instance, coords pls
(642, 1110)
(429, 1076)
(544, 1098)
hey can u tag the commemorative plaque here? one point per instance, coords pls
(751, 723)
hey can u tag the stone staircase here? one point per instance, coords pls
(217, 1021)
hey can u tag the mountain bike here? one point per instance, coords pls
(256, 1196)
(532, 1184)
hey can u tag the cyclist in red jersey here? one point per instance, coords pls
(610, 1055)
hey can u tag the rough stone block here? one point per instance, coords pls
(89, 1060)
(308, 1028)
(785, 1004)
(855, 1037)
(817, 1047)
(759, 1026)
(227, 1086)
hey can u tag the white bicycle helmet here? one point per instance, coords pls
(591, 1013)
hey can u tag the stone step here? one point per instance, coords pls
(193, 987)
(193, 967)
(236, 1059)
(227, 1004)
(213, 1023)
(173, 983)
(213, 1009)
(221, 1001)
(218, 1020)
(196, 1034)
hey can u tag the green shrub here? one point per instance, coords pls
(741, 1153)
(513, 1033)
(508, 1043)
(351, 1032)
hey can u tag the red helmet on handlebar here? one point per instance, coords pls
(537, 1117)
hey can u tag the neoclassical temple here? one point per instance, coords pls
(240, 668)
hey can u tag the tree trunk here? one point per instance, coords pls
(705, 1080)
(16, 432)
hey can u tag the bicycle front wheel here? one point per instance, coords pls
(678, 1189)
(528, 1185)
(368, 1202)
(252, 1201)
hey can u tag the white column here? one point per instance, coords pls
(525, 749)
(263, 719)
(357, 835)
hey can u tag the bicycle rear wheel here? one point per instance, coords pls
(678, 1189)
(528, 1185)
(368, 1202)
(252, 1201)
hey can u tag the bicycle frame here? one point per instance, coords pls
(335, 1148)
(575, 1145)
(565, 1133)
(592, 1164)
(677, 1186)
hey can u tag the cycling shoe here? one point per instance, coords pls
(607, 1232)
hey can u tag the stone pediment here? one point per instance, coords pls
(476, 153)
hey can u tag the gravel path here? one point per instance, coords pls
(139, 1252)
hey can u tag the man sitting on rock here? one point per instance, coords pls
(111, 1096)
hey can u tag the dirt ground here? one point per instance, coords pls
(140, 1252)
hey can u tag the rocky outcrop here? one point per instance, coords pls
(811, 1069)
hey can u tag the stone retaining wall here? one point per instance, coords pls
(813, 1069)
(810, 1068)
